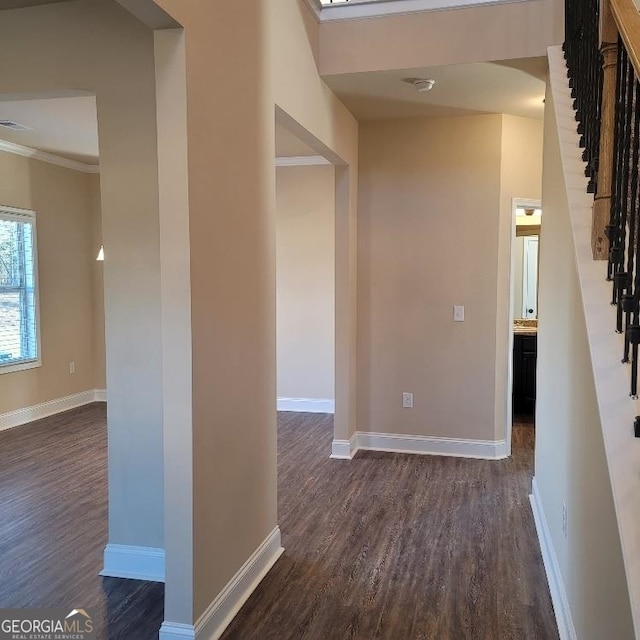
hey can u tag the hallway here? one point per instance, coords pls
(386, 546)
(400, 547)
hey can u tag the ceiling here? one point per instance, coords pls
(514, 87)
(19, 4)
(65, 126)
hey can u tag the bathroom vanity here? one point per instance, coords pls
(525, 347)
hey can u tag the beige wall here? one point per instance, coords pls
(231, 246)
(305, 281)
(473, 34)
(427, 240)
(232, 233)
(570, 461)
(435, 229)
(63, 202)
(99, 47)
(99, 351)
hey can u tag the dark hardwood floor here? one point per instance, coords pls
(386, 546)
(400, 547)
(53, 526)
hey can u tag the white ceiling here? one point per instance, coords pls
(514, 87)
(65, 126)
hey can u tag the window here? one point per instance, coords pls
(19, 330)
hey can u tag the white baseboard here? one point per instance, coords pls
(219, 614)
(559, 598)
(50, 408)
(135, 563)
(423, 445)
(344, 449)
(177, 631)
(213, 622)
(307, 405)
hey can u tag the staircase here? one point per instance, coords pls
(602, 541)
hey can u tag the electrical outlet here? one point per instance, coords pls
(565, 519)
(458, 313)
(407, 400)
(72, 367)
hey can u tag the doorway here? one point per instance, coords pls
(527, 220)
(338, 399)
(305, 280)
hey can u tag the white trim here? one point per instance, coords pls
(301, 161)
(177, 631)
(45, 409)
(27, 216)
(379, 9)
(316, 9)
(422, 445)
(135, 563)
(17, 213)
(213, 622)
(432, 445)
(100, 395)
(35, 154)
(307, 405)
(344, 449)
(566, 630)
(22, 365)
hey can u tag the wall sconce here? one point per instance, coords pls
(101, 254)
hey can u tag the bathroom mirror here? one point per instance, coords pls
(525, 263)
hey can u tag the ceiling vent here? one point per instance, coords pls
(14, 126)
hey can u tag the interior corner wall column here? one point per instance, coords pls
(345, 300)
(602, 203)
(175, 274)
(230, 144)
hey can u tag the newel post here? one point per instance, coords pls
(602, 202)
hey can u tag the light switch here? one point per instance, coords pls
(407, 400)
(458, 313)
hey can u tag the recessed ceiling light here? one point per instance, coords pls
(421, 85)
(14, 126)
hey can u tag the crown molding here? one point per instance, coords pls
(300, 161)
(43, 156)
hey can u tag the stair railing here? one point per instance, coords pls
(602, 49)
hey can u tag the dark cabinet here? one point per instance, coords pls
(525, 349)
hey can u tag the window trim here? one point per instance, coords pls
(26, 215)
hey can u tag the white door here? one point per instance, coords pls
(530, 278)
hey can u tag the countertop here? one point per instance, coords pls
(525, 327)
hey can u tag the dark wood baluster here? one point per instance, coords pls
(611, 229)
(629, 300)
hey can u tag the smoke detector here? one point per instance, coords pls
(14, 126)
(421, 85)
